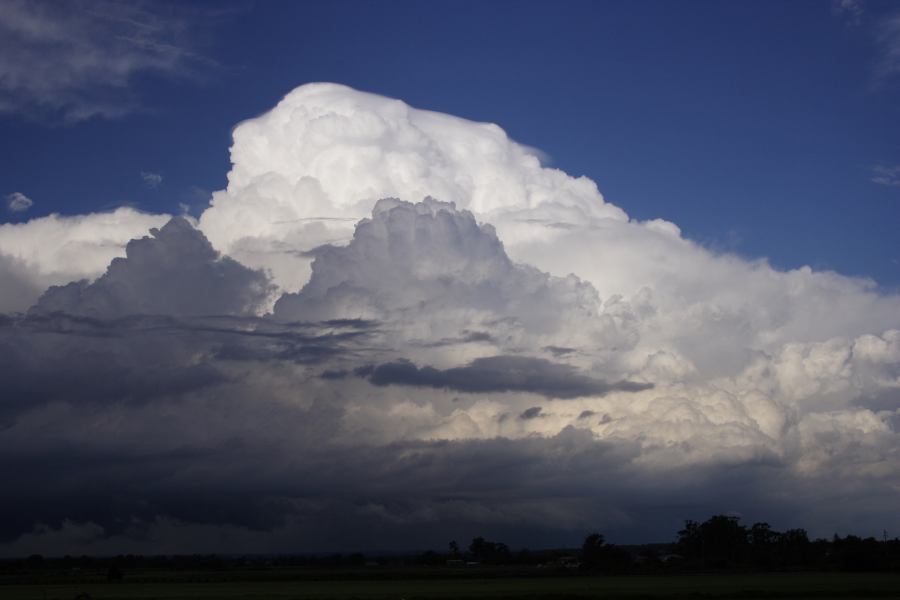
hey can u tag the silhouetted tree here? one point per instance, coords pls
(597, 555)
(486, 551)
(793, 547)
(762, 540)
(592, 550)
(717, 542)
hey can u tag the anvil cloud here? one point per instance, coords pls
(398, 325)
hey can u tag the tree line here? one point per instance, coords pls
(720, 543)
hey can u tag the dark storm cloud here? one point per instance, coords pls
(559, 351)
(396, 496)
(501, 374)
(531, 413)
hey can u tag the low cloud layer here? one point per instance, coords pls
(499, 374)
(334, 356)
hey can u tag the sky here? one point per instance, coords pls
(317, 276)
(757, 127)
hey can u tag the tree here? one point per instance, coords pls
(592, 550)
(486, 551)
(596, 554)
(718, 541)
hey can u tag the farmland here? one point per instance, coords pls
(436, 583)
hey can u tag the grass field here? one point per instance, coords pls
(745, 587)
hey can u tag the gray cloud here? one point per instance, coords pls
(500, 374)
(175, 272)
(531, 413)
(18, 202)
(151, 180)
(18, 290)
(441, 279)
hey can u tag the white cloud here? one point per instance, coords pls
(151, 180)
(304, 173)
(18, 202)
(885, 175)
(76, 60)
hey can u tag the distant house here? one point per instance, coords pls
(669, 558)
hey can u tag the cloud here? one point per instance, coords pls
(18, 289)
(887, 36)
(305, 172)
(18, 202)
(56, 249)
(500, 374)
(850, 10)
(531, 413)
(175, 272)
(442, 281)
(884, 175)
(78, 60)
(573, 368)
(151, 180)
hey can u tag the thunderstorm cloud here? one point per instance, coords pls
(398, 325)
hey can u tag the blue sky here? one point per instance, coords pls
(754, 126)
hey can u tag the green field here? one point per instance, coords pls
(746, 587)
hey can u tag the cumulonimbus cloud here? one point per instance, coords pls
(438, 364)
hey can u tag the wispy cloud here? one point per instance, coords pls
(18, 202)
(883, 29)
(885, 175)
(888, 38)
(77, 60)
(850, 10)
(151, 180)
